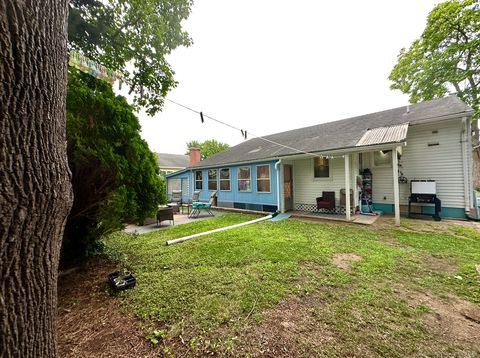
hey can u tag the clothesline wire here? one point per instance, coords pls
(239, 129)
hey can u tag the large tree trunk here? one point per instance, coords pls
(35, 190)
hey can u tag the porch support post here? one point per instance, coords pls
(396, 191)
(347, 187)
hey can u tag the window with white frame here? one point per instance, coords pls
(225, 179)
(212, 179)
(243, 179)
(263, 178)
(382, 158)
(321, 168)
(198, 180)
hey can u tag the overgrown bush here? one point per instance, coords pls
(115, 176)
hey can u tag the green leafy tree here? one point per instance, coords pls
(446, 57)
(115, 176)
(208, 147)
(133, 37)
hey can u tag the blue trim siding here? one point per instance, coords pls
(445, 213)
(233, 196)
(180, 175)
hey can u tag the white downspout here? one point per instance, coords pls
(347, 188)
(277, 168)
(463, 140)
(469, 147)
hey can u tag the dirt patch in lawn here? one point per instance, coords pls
(90, 321)
(455, 320)
(345, 260)
(287, 330)
(439, 264)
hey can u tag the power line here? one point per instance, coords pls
(244, 132)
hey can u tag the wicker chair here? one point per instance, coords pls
(326, 201)
(165, 214)
(343, 198)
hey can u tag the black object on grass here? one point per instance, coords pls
(119, 282)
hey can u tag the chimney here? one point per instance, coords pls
(194, 155)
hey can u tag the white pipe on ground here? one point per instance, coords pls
(175, 241)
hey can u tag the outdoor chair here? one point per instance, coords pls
(165, 214)
(196, 196)
(187, 204)
(198, 206)
(176, 200)
(343, 198)
(326, 201)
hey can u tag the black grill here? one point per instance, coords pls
(423, 191)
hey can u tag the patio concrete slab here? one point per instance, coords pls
(151, 224)
(365, 219)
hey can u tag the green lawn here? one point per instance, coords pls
(212, 292)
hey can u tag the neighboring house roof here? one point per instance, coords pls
(341, 134)
(166, 160)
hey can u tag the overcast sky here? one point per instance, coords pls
(269, 66)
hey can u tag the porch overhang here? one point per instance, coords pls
(348, 150)
(380, 138)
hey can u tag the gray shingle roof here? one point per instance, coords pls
(166, 160)
(339, 134)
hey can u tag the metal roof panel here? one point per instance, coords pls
(381, 135)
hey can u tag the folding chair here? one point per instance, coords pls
(198, 206)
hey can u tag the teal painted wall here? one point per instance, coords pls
(445, 213)
(384, 208)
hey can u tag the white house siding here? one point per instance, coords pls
(443, 163)
(307, 189)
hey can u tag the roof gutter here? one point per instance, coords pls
(260, 160)
(184, 170)
(459, 115)
(296, 156)
(349, 150)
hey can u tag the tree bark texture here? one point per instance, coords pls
(35, 189)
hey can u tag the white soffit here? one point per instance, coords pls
(383, 135)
